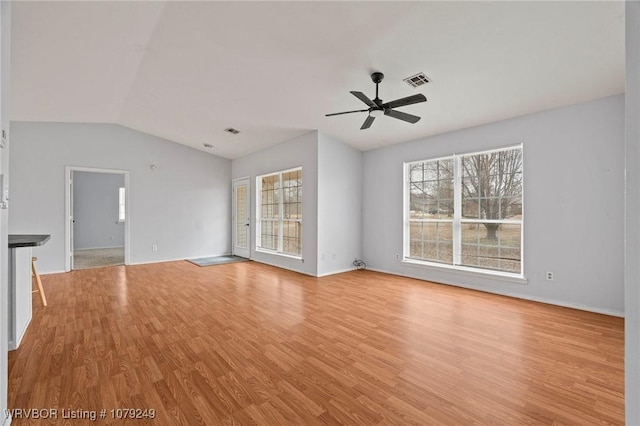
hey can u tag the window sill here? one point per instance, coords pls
(500, 276)
(275, 253)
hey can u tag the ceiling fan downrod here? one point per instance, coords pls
(377, 78)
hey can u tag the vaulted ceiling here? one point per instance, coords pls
(185, 71)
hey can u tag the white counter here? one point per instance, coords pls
(20, 285)
(19, 294)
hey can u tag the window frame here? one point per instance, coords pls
(457, 221)
(280, 219)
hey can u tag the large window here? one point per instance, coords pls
(279, 224)
(466, 210)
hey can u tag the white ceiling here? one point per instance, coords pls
(187, 70)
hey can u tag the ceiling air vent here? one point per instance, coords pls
(232, 130)
(417, 80)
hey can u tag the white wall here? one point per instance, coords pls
(301, 151)
(5, 43)
(632, 216)
(573, 203)
(184, 206)
(339, 205)
(95, 210)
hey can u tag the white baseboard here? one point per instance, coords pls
(177, 260)
(340, 271)
(97, 248)
(284, 267)
(159, 261)
(519, 296)
(16, 343)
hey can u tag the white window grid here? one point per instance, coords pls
(457, 221)
(278, 218)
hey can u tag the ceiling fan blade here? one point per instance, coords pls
(364, 99)
(367, 123)
(346, 112)
(409, 100)
(402, 116)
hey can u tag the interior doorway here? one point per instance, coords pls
(241, 218)
(97, 219)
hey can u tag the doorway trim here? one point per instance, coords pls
(68, 170)
(234, 182)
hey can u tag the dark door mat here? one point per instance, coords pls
(217, 260)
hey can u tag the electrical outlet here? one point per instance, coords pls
(397, 256)
(154, 247)
(549, 276)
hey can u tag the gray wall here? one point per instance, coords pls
(5, 42)
(301, 151)
(573, 203)
(632, 219)
(339, 205)
(95, 210)
(184, 206)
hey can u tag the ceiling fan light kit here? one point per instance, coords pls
(377, 108)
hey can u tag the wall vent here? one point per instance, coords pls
(417, 80)
(232, 130)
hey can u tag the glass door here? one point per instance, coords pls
(241, 218)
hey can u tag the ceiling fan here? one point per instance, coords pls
(377, 108)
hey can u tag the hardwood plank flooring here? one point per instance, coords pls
(247, 343)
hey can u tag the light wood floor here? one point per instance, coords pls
(246, 343)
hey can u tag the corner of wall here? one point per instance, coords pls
(339, 205)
